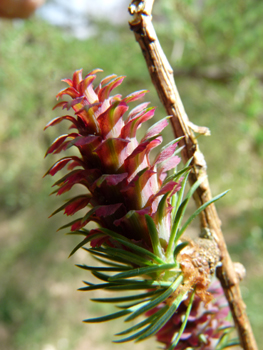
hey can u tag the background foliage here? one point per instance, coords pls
(215, 49)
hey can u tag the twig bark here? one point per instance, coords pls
(162, 77)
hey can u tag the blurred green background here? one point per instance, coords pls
(215, 49)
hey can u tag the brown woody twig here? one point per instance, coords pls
(162, 77)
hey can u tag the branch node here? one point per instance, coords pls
(136, 9)
(239, 270)
(141, 7)
(202, 130)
